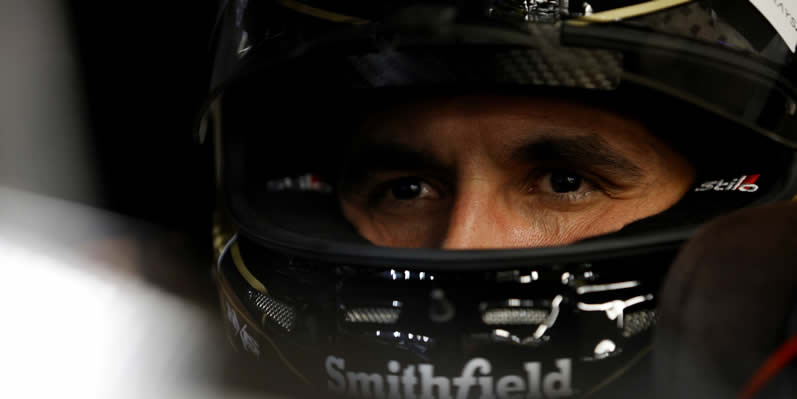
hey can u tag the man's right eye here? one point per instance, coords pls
(406, 188)
(563, 181)
(411, 188)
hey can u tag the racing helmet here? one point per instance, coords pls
(335, 312)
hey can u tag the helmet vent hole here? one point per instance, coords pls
(637, 322)
(372, 315)
(514, 316)
(274, 311)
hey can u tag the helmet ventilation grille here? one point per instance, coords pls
(514, 316)
(277, 312)
(372, 315)
(637, 322)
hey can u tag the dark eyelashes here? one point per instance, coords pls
(375, 188)
(589, 178)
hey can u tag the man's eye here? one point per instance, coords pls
(563, 181)
(564, 184)
(410, 188)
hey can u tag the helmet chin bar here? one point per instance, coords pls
(550, 331)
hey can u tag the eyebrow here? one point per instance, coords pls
(583, 151)
(586, 151)
(388, 156)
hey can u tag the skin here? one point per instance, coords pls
(499, 171)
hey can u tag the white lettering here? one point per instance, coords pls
(486, 384)
(706, 186)
(393, 380)
(370, 385)
(721, 186)
(557, 384)
(336, 382)
(510, 387)
(748, 188)
(429, 381)
(743, 183)
(467, 380)
(533, 372)
(426, 385)
(408, 381)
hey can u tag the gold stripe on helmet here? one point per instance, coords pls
(245, 273)
(621, 13)
(227, 297)
(322, 14)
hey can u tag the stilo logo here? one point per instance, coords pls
(744, 183)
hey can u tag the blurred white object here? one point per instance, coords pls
(43, 136)
(76, 327)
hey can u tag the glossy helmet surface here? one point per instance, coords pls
(302, 290)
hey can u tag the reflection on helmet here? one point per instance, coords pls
(480, 198)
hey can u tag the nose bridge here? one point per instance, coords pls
(473, 222)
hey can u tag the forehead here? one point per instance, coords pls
(503, 121)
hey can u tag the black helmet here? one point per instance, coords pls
(297, 88)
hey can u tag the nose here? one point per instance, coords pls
(478, 219)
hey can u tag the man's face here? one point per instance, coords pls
(498, 172)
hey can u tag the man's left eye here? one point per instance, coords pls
(411, 188)
(563, 181)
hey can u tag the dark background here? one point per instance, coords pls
(144, 67)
